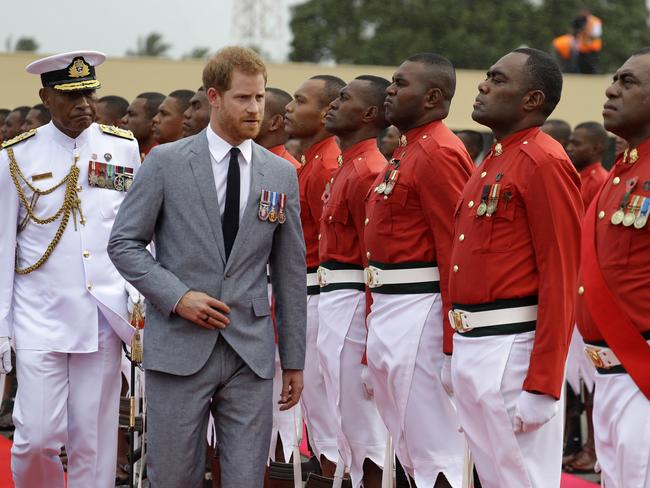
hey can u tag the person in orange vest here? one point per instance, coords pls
(589, 43)
(565, 47)
(613, 297)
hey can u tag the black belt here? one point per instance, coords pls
(503, 329)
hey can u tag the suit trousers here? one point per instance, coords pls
(178, 409)
(67, 399)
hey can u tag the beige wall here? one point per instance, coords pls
(582, 98)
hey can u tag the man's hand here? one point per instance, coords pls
(532, 411)
(291, 388)
(368, 390)
(203, 310)
(445, 375)
(5, 355)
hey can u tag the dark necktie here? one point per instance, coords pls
(231, 212)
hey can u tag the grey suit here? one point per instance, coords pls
(175, 199)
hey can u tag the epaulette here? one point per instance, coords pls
(111, 130)
(19, 138)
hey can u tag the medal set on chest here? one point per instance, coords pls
(391, 176)
(491, 195)
(633, 208)
(109, 176)
(272, 206)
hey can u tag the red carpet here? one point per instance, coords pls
(570, 481)
(5, 466)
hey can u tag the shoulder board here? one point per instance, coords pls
(111, 130)
(19, 138)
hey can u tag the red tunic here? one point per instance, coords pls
(321, 160)
(528, 247)
(281, 151)
(622, 251)
(592, 178)
(415, 223)
(342, 223)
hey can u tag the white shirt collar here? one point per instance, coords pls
(67, 142)
(219, 148)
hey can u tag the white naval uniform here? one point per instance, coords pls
(341, 345)
(67, 316)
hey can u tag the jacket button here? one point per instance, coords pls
(616, 180)
(601, 214)
(365, 222)
(86, 254)
(455, 268)
(461, 237)
(581, 290)
(368, 254)
(89, 286)
(470, 204)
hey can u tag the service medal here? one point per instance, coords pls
(491, 207)
(381, 188)
(101, 181)
(273, 216)
(263, 212)
(628, 219)
(109, 183)
(481, 209)
(617, 217)
(282, 217)
(273, 212)
(640, 221)
(128, 181)
(389, 187)
(119, 183)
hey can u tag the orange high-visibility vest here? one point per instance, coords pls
(589, 40)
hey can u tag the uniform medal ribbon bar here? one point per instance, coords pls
(642, 219)
(265, 201)
(282, 216)
(273, 212)
(619, 215)
(482, 208)
(493, 201)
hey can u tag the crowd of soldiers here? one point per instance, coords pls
(445, 273)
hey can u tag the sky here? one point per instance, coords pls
(114, 26)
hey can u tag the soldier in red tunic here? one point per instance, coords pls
(513, 274)
(613, 308)
(408, 238)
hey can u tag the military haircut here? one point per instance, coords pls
(279, 100)
(596, 131)
(4, 112)
(116, 105)
(43, 113)
(561, 128)
(445, 73)
(333, 85)
(376, 94)
(23, 110)
(183, 97)
(220, 67)
(543, 74)
(152, 102)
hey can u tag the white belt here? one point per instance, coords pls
(376, 277)
(312, 279)
(464, 321)
(328, 276)
(601, 357)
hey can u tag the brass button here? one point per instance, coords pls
(470, 204)
(455, 268)
(601, 214)
(461, 238)
(616, 180)
(483, 174)
(365, 222)
(581, 290)
(330, 218)
(319, 237)
(86, 254)
(332, 180)
(368, 254)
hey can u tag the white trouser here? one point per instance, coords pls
(282, 419)
(71, 400)
(578, 366)
(622, 431)
(405, 357)
(487, 375)
(320, 420)
(341, 345)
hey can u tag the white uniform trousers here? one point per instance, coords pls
(320, 420)
(282, 419)
(72, 400)
(405, 357)
(622, 431)
(578, 366)
(487, 376)
(341, 345)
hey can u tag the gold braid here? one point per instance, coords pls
(71, 204)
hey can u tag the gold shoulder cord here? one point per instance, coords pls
(71, 204)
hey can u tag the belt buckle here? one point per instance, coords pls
(372, 277)
(593, 354)
(321, 274)
(457, 319)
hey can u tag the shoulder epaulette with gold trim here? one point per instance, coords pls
(19, 138)
(116, 131)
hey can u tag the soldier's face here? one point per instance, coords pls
(138, 121)
(32, 120)
(304, 115)
(500, 99)
(72, 112)
(627, 110)
(238, 112)
(197, 116)
(12, 126)
(406, 96)
(582, 149)
(168, 122)
(346, 113)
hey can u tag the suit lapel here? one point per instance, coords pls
(201, 165)
(246, 224)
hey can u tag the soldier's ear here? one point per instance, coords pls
(277, 122)
(370, 114)
(433, 97)
(533, 100)
(44, 95)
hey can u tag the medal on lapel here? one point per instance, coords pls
(101, 179)
(128, 178)
(92, 173)
(282, 216)
(392, 181)
(619, 215)
(110, 174)
(118, 181)
(263, 212)
(273, 212)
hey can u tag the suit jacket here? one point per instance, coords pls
(174, 199)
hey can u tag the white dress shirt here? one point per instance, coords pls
(220, 157)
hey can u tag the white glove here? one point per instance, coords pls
(5, 355)
(445, 375)
(532, 411)
(365, 382)
(134, 297)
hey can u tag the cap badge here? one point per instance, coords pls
(79, 69)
